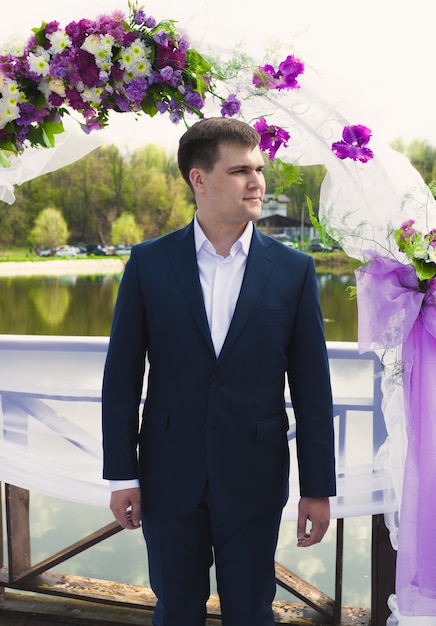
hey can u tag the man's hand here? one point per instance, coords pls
(126, 507)
(316, 511)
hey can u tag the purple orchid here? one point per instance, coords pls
(231, 106)
(271, 137)
(285, 77)
(353, 144)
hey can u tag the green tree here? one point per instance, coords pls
(50, 229)
(125, 230)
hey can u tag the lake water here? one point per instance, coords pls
(83, 306)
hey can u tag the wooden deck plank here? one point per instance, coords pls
(17, 609)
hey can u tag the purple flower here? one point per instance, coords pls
(353, 144)
(51, 27)
(141, 18)
(162, 106)
(284, 78)
(170, 54)
(167, 73)
(137, 89)
(271, 137)
(264, 76)
(407, 230)
(289, 69)
(161, 37)
(231, 106)
(91, 124)
(122, 104)
(193, 99)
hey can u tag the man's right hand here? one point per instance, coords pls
(126, 507)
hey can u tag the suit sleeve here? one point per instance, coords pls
(309, 382)
(123, 379)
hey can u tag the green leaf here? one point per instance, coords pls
(40, 34)
(424, 271)
(4, 161)
(149, 107)
(284, 175)
(315, 222)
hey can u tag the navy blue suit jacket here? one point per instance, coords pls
(219, 421)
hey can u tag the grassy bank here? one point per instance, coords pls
(325, 262)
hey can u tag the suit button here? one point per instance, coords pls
(214, 383)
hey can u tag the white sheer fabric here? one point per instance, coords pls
(50, 422)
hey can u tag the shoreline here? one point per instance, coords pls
(62, 267)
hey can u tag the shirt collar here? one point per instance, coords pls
(244, 240)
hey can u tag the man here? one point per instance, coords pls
(224, 314)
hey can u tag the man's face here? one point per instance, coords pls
(232, 193)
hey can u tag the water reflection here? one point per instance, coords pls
(70, 305)
(83, 305)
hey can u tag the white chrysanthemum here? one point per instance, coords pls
(92, 95)
(108, 41)
(142, 68)
(135, 55)
(59, 41)
(420, 251)
(431, 254)
(137, 49)
(103, 59)
(39, 63)
(127, 60)
(10, 89)
(15, 46)
(8, 112)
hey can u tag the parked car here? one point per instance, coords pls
(95, 249)
(44, 252)
(66, 251)
(318, 246)
(123, 250)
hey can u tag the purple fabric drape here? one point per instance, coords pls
(394, 312)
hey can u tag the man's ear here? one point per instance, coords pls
(196, 179)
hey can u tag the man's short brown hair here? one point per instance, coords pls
(199, 146)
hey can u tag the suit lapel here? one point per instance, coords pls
(181, 252)
(260, 262)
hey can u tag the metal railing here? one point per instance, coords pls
(17, 571)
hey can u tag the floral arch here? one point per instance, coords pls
(372, 202)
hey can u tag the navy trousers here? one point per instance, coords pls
(181, 550)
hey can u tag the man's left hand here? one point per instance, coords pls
(316, 511)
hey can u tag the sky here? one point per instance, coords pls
(376, 56)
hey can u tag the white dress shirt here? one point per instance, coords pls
(221, 280)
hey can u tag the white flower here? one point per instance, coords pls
(8, 112)
(59, 41)
(431, 254)
(52, 85)
(143, 68)
(420, 250)
(137, 48)
(57, 86)
(135, 58)
(39, 62)
(127, 60)
(15, 47)
(11, 89)
(92, 44)
(92, 95)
